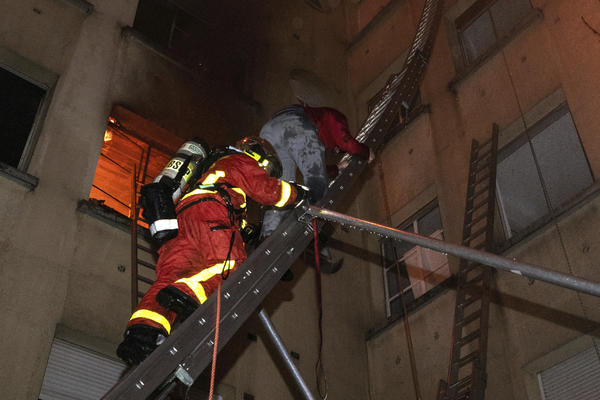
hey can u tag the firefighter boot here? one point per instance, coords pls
(177, 301)
(140, 340)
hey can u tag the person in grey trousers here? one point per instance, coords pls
(300, 136)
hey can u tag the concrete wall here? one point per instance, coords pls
(551, 60)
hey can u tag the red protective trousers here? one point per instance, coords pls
(194, 260)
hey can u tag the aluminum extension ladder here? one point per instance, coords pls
(188, 350)
(467, 371)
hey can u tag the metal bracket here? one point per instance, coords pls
(184, 376)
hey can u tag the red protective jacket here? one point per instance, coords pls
(209, 234)
(334, 132)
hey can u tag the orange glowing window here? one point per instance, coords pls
(131, 143)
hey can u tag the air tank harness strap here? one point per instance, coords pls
(232, 214)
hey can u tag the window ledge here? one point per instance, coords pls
(465, 72)
(98, 210)
(413, 307)
(20, 177)
(583, 198)
(85, 6)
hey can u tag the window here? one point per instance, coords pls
(409, 269)
(20, 106)
(172, 28)
(577, 377)
(74, 372)
(124, 149)
(540, 172)
(486, 23)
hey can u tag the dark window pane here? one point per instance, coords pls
(392, 280)
(430, 222)
(396, 306)
(520, 191)
(508, 13)
(387, 253)
(19, 104)
(154, 19)
(563, 164)
(478, 37)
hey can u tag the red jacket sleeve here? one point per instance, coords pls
(246, 174)
(334, 131)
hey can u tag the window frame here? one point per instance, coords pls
(40, 115)
(463, 20)
(410, 301)
(522, 139)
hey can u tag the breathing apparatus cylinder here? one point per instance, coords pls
(159, 198)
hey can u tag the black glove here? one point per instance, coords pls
(302, 193)
(250, 234)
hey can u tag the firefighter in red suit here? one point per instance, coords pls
(208, 245)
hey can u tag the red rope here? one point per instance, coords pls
(216, 345)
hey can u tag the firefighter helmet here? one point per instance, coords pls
(263, 152)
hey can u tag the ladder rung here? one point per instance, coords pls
(481, 203)
(480, 168)
(145, 280)
(476, 220)
(478, 278)
(141, 294)
(146, 249)
(468, 268)
(461, 383)
(482, 178)
(479, 192)
(469, 318)
(467, 302)
(477, 233)
(469, 338)
(146, 264)
(467, 359)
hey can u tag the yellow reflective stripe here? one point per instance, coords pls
(153, 316)
(194, 282)
(243, 223)
(240, 191)
(214, 177)
(196, 288)
(286, 192)
(198, 191)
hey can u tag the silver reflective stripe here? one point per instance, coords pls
(75, 372)
(163, 225)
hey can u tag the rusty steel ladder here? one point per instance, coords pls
(142, 253)
(467, 371)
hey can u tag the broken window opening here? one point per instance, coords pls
(20, 112)
(124, 151)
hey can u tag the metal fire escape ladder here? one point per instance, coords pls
(467, 371)
(139, 246)
(188, 350)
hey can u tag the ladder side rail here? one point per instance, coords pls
(480, 368)
(133, 211)
(455, 348)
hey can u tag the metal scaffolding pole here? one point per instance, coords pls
(519, 268)
(289, 363)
